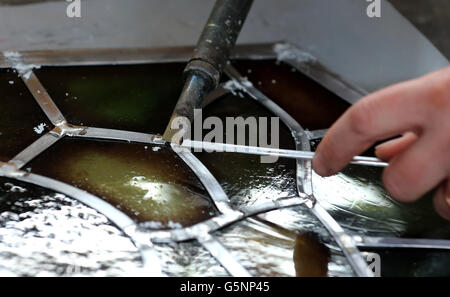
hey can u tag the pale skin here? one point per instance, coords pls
(419, 159)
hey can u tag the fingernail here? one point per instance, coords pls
(377, 151)
(318, 165)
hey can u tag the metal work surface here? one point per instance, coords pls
(211, 232)
(367, 52)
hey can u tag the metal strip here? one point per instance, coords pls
(43, 98)
(309, 66)
(223, 256)
(129, 56)
(316, 134)
(272, 205)
(223, 220)
(111, 134)
(213, 187)
(345, 241)
(393, 242)
(266, 151)
(34, 150)
(304, 175)
(241, 83)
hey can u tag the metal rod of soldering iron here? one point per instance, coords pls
(263, 151)
(210, 57)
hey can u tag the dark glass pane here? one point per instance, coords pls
(309, 103)
(414, 262)
(21, 119)
(137, 98)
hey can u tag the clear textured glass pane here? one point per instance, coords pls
(47, 234)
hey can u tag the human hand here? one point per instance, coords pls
(419, 160)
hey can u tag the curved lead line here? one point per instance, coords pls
(151, 263)
(223, 220)
(217, 194)
(304, 175)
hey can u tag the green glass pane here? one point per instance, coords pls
(137, 98)
(147, 182)
(21, 119)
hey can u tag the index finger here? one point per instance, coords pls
(383, 114)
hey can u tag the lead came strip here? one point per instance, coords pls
(43, 98)
(263, 151)
(34, 150)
